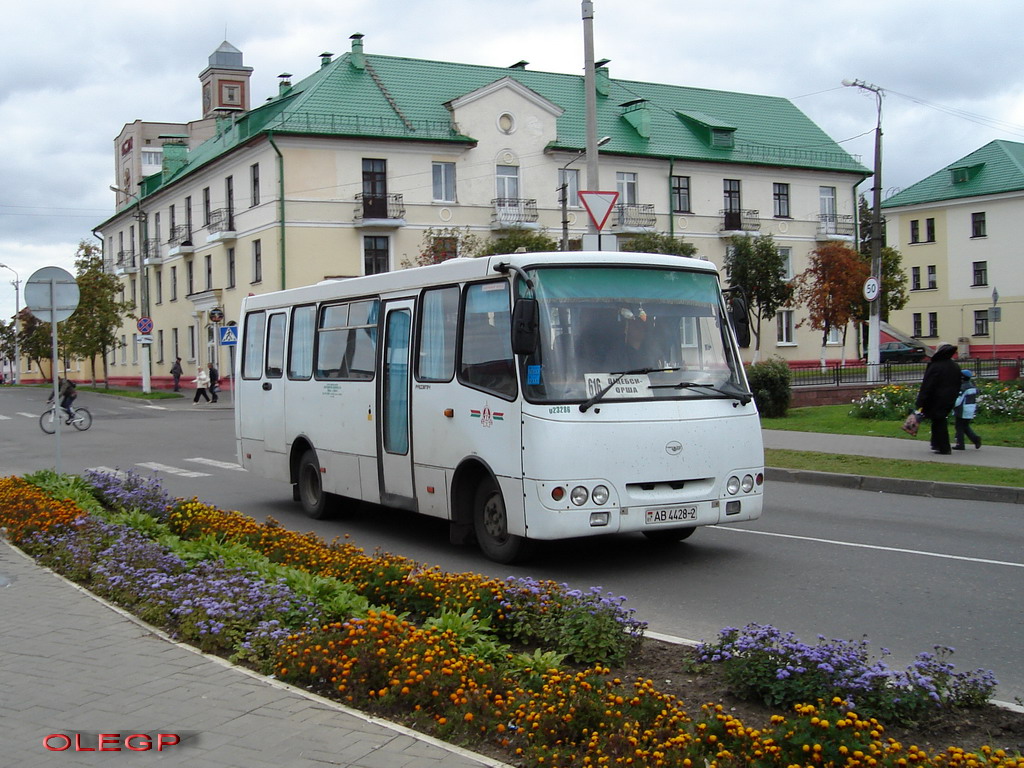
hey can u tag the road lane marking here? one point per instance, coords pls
(154, 407)
(28, 415)
(157, 467)
(218, 464)
(5, 418)
(876, 546)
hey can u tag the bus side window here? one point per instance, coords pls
(437, 328)
(252, 353)
(487, 361)
(300, 348)
(331, 341)
(275, 346)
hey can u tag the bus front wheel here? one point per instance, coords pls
(315, 501)
(490, 523)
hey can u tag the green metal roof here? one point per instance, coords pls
(402, 98)
(995, 168)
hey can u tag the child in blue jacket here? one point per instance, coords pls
(964, 410)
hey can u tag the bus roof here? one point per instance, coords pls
(461, 269)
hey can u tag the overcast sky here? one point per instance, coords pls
(75, 72)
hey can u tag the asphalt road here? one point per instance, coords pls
(907, 572)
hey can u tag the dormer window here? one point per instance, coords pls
(723, 137)
(961, 174)
(712, 131)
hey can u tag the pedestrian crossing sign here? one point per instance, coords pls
(229, 335)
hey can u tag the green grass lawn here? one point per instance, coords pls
(836, 420)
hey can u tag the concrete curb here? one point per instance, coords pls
(1005, 495)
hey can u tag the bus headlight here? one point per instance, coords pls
(733, 485)
(579, 495)
(600, 495)
(748, 483)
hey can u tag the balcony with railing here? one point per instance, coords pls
(747, 220)
(180, 242)
(221, 226)
(151, 251)
(514, 213)
(835, 226)
(635, 217)
(385, 210)
(127, 263)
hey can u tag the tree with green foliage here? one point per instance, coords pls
(657, 242)
(92, 330)
(7, 341)
(35, 339)
(531, 242)
(757, 267)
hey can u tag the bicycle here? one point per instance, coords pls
(81, 419)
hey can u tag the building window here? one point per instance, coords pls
(191, 342)
(254, 185)
(681, 194)
(929, 230)
(175, 345)
(206, 206)
(160, 345)
(932, 279)
(506, 178)
(786, 253)
(188, 217)
(981, 322)
(978, 225)
(933, 324)
(375, 254)
(208, 268)
(780, 196)
(158, 283)
(231, 267)
(569, 186)
(443, 182)
(625, 183)
(190, 277)
(257, 261)
(918, 328)
(124, 350)
(174, 283)
(135, 349)
(915, 279)
(229, 199)
(980, 273)
(172, 217)
(445, 248)
(915, 231)
(785, 327)
(835, 336)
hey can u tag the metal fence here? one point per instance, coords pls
(897, 373)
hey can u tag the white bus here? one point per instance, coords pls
(532, 396)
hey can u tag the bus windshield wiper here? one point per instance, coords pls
(743, 397)
(585, 405)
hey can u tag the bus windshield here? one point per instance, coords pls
(630, 333)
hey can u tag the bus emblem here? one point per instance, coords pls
(486, 416)
(674, 448)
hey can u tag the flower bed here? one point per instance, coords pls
(276, 599)
(997, 402)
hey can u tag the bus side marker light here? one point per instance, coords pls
(449, 412)
(430, 489)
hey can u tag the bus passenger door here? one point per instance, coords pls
(394, 438)
(273, 404)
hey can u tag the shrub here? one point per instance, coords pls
(770, 384)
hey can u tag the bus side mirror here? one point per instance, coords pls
(525, 326)
(739, 318)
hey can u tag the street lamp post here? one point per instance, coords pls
(144, 297)
(875, 315)
(564, 189)
(16, 282)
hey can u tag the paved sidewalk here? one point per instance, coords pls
(71, 664)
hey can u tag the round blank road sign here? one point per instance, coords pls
(52, 294)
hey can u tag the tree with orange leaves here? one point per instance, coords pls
(831, 288)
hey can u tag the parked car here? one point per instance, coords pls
(902, 352)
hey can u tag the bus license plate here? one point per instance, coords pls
(670, 515)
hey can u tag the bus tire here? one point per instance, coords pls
(315, 501)
(669, 535)
(490, 523)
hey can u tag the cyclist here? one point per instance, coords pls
(68, 394)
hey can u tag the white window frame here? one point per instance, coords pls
(785, 336)
(570, 179)
(626, 186)
(442, 182)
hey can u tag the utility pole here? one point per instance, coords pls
(590, 87)
(875, 315)
(140, 216)
(16, 282)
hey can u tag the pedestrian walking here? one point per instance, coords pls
(964, 409)
(214, 380)
(937, 396)
(202, 384)
(176, 373)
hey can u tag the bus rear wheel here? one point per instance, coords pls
(490, 523)
(315, 501)
(669, 535)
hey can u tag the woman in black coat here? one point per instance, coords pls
(939, 389)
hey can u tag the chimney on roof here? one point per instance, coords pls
(325, 59)
(602, 80)
(520, 65)
(358, 57)
(284, 83)
(175, 154)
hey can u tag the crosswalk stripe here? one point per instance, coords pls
(157, 467)
(5, 418)
(109, 471)
(28, 415)
(218, 464)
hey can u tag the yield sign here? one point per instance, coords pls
(598, 205)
